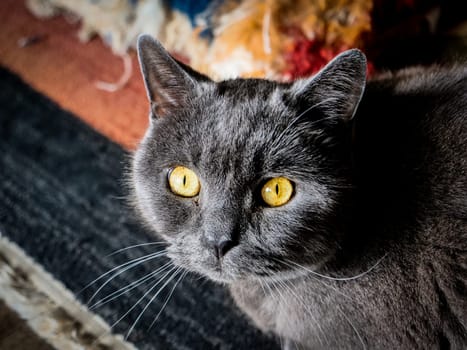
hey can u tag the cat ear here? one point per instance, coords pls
(338, 88)
(170, 84)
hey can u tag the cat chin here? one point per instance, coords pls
(224, 278)
(212, 272)
(220, 273)
(220, 277)
(228, 277)
(224, 273)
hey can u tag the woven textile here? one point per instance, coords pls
(61, 202)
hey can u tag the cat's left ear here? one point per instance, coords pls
(338, 88)
(170, 84)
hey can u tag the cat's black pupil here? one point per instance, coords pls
(277, 189)
(184, 180)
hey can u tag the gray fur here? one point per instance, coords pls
(371, 250)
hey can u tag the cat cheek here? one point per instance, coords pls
(183, 250)
(175, 251)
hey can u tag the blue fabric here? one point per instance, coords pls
(190, 8)
(61, 200)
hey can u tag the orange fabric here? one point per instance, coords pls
(65, 70)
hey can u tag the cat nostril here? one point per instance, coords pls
(222, 247)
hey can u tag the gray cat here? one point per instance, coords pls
(335, 209)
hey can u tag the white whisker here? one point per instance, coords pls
(156, 254)
(307, 309)
(144, 296)
(262, 287)
(167, 299)
(281, 296)
(129, 287)
(290, 263)
(296, 119)
(273, 291)
(330, 287)
(128, 267)
(151, 300)
(135, 246)
(353, 327)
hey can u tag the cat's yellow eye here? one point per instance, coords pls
(184, 182)
(277, 191)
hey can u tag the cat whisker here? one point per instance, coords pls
(272, 287)
(338, 291)
(178, 269)
(306, 308)
(296, 119)
(332, 287)
(182, 276)
(129, 287)
(278, 292)
(135, 246)
(294, 264)
(353, 327)
(144, 296)
(262, 286)
(314, 275)
(346, 296)
(148, 256)
(126, 268)
(266, 286)
(135, 304)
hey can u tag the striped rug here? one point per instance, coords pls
(62, 212)
(63, 150)
(64, 146)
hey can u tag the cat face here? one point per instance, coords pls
(224, 143)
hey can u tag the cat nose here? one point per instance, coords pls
(221, 247)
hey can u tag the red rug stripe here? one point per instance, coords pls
(63, 68)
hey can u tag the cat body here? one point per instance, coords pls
(411, 156)
(370, 249)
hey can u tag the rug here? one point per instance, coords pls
(62, 200)
(63, 68)
(63, 211)
(66, 70)
(37, 312)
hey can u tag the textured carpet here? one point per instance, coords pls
(61, 201)
(25, 338)
(38, 312)
(60, 66)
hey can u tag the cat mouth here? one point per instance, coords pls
(218, 276)
(219, 273)
(219, 270)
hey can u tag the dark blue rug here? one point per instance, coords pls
(62, 200)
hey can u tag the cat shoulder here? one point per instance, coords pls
(421, 78)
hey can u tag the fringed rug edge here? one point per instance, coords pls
(48, 307)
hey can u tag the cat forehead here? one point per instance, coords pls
(235, 141)
(246, 89)
(246, 120)
(245, 100)
(243, 110)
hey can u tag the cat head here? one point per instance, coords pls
(244, 177)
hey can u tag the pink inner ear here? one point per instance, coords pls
(338, 87)
(160, 110)
(167, 83)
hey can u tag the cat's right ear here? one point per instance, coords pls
(169, 84)
(337, 88)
